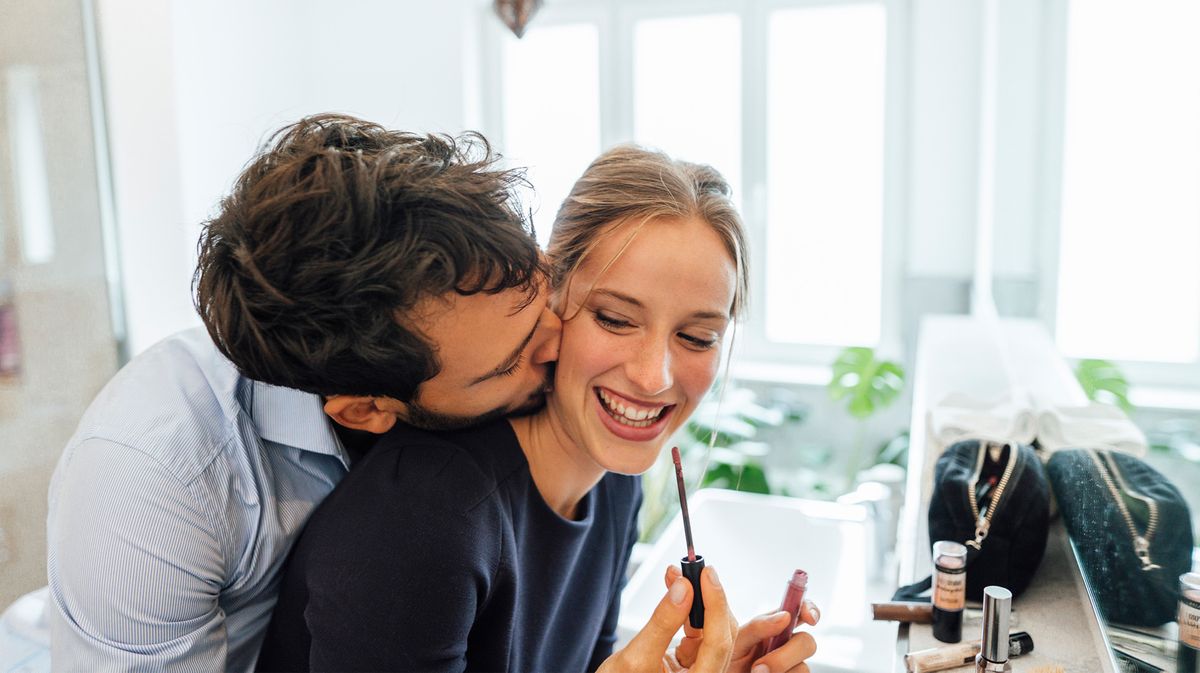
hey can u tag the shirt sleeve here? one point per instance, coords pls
(396, 582)
(135, 567)
(608, 632)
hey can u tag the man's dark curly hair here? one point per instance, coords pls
(334, 231)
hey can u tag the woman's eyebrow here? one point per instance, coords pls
(619, 296)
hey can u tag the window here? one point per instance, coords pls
(551, 109)
(788, 100)
(1128, 281)
(690, 112)
(825, 174)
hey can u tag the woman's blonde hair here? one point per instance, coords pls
(628, 186)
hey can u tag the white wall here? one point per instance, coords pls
(193, 88)
(944, 136)
(944, 140)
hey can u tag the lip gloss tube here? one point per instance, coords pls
(793, 600)
(1188, 654)
(949, 590)
(909, 612)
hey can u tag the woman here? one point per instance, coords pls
(504, 547)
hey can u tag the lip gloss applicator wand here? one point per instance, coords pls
(691, 565)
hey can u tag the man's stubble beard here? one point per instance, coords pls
(419, 416)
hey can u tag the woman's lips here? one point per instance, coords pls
(623, 429)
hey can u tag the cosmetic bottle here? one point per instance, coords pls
(993, 646)
(792, 603)
(949, 590)
(962, 654)
(1188, 654)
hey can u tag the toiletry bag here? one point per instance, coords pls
(995, 499)
(1131, 528)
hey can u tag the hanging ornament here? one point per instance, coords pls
(516, 13)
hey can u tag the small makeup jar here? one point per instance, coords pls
(949, 590)
(1189, 624)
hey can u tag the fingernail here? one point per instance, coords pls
(678, 591)
(816, 613)
(717, 581)
(761, 668)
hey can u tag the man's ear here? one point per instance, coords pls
(359, 412)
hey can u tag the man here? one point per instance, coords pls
(354, 274)
(354, 277)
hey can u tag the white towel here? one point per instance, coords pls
(1007, 419)
(1095, 426)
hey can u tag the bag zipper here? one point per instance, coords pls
(1141, 543)
(984, 521)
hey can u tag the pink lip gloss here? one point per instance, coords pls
(793, 599)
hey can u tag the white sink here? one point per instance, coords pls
(755, 542)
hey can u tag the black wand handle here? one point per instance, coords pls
(691, 570)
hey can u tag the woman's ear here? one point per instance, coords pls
(359, 412)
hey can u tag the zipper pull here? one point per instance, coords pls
(1141, 547)
(981, 532)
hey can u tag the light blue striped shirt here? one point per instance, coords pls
(173, 508)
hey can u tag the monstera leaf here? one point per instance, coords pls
(1103, 381)
(866, 383)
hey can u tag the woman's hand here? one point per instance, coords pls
(712, 653)
(747, 656)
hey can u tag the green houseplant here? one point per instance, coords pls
(1103, 381)
(865, 383)
(735, 460)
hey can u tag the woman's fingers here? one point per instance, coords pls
(810, 614)
(720, 627)
(647, 650)
(752, 633)
(789, 656)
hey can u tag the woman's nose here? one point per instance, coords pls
(650, 368)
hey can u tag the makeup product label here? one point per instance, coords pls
(949, 588)
(1189, 620)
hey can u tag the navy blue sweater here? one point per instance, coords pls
(437, 553)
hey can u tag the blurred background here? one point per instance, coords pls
(892, 158)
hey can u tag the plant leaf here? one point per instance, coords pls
(1104, 382)
(864, 381)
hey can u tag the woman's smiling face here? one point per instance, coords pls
(644, 347)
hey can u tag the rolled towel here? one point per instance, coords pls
(1095, 426)
(1006, 419)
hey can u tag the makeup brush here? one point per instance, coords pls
(691, 565)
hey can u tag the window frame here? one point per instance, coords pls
(1139, 373)
(615, 20)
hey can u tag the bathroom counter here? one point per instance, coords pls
(987, 359)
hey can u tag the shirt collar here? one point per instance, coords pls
(294, 418)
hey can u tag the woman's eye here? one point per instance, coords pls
(698, 343)
(610, 322)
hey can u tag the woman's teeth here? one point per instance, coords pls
(629, 415)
